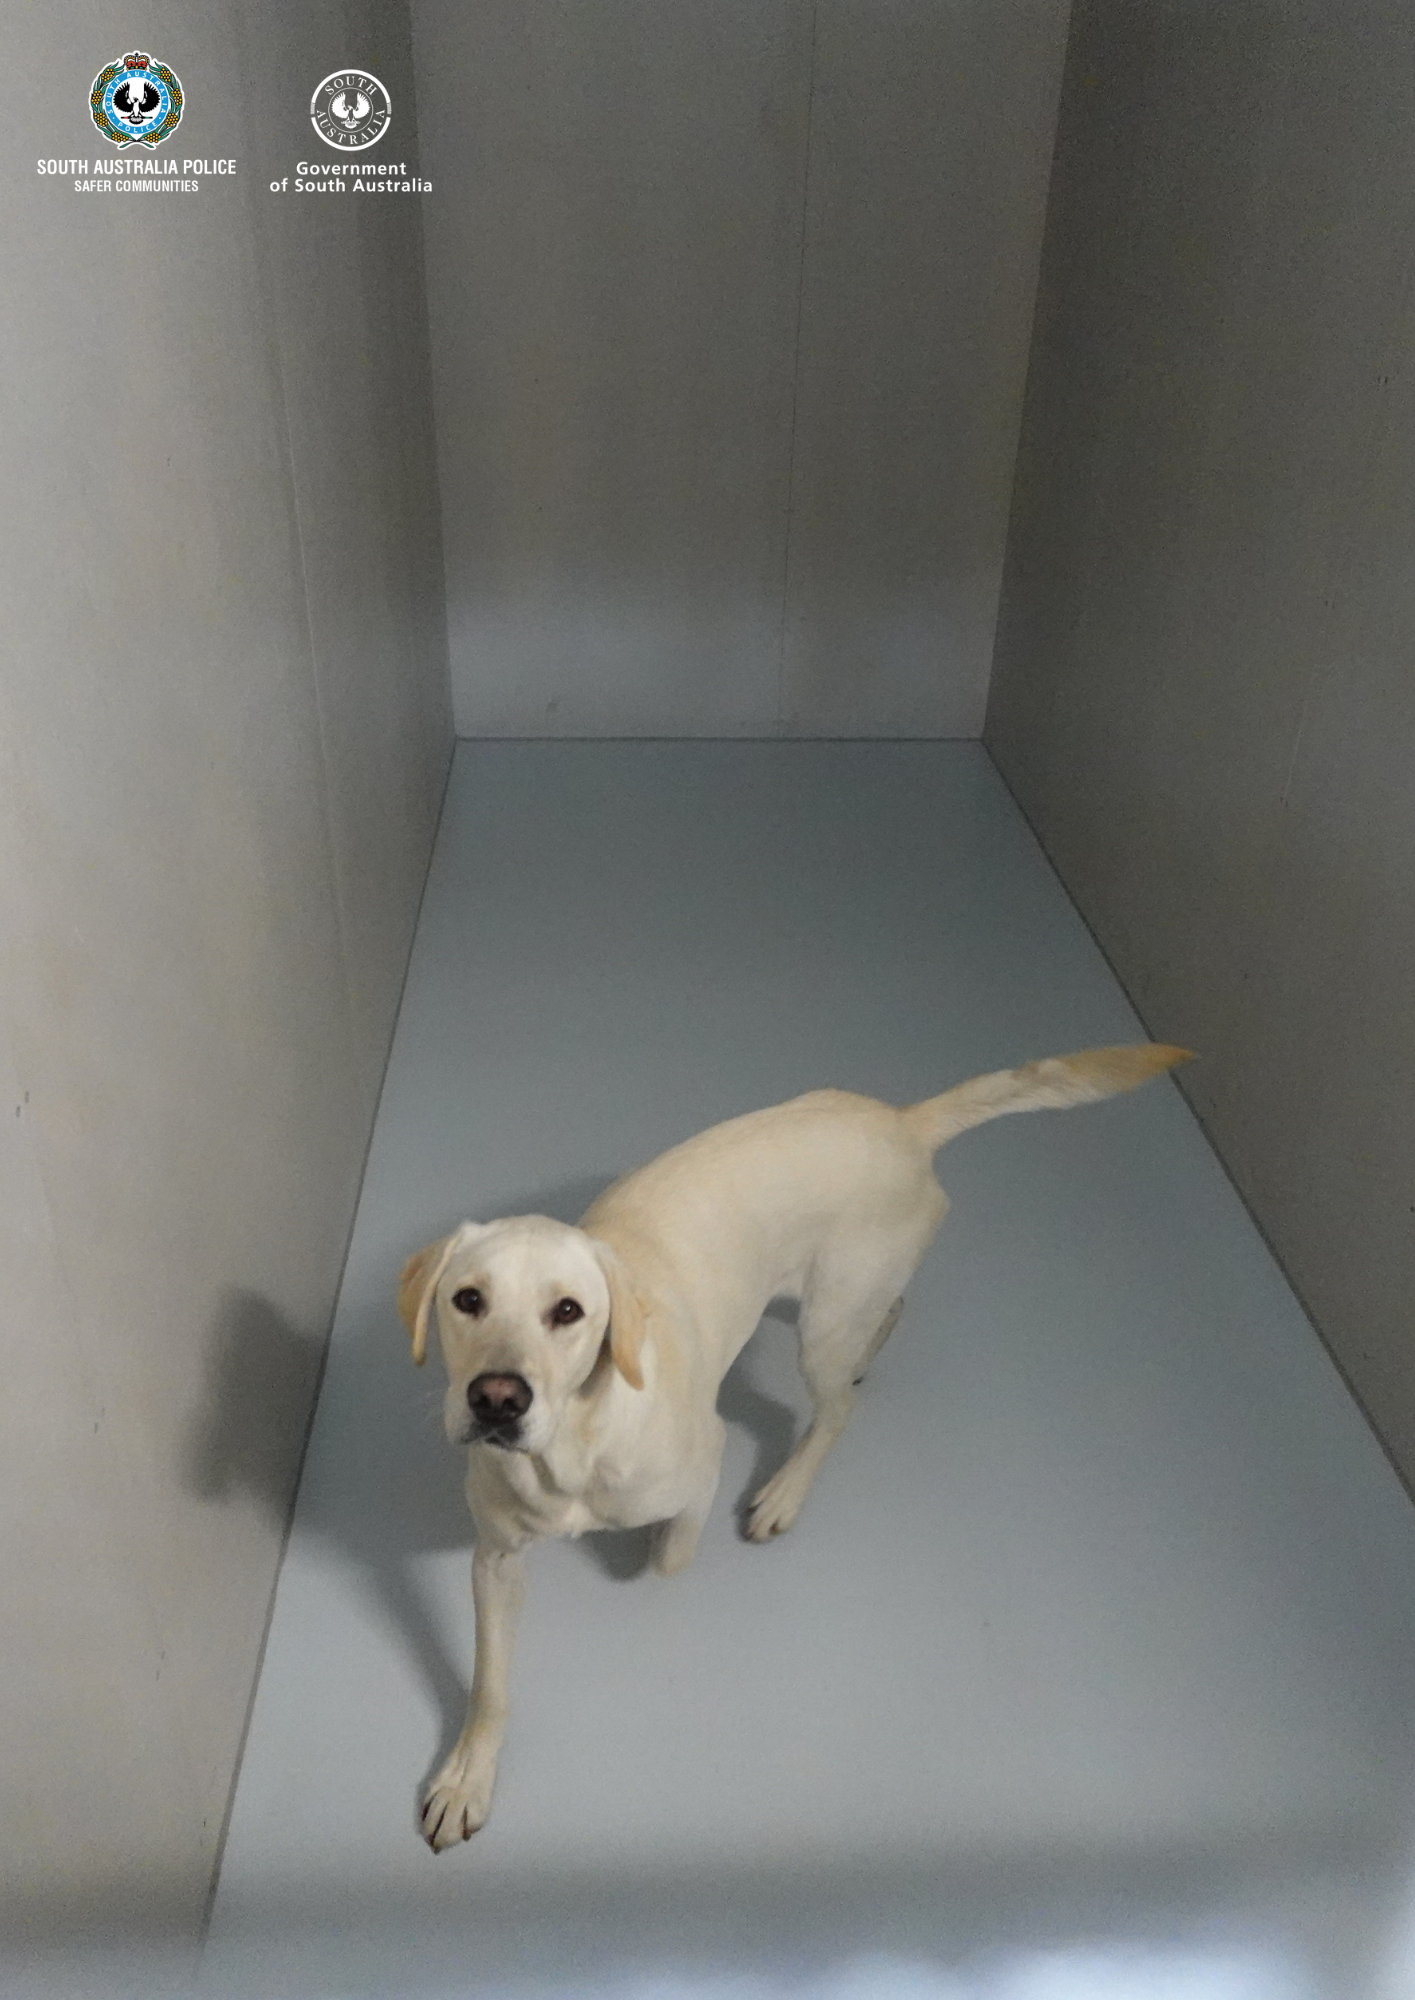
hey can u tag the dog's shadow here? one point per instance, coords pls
(382, 1490)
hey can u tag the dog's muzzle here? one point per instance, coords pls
(497, 1404)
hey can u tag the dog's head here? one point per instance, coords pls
(525, 1307)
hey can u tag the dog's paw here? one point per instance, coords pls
(457, 1803)
(777, 1505)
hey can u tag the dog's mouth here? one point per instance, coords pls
(505, 1437)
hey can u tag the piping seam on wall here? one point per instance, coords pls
(331, 846)
(780, 720)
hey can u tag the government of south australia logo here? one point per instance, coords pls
(350, 110)
(136, 101)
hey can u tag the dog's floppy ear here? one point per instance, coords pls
(418, 1283)
(628, 1321)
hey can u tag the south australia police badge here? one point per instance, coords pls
(136, 101)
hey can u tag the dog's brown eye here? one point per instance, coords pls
(567, 1311)
(468, 1300)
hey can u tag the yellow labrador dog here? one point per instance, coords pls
(583, 1364)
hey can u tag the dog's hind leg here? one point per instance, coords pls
(882, 1333)
(832, 1363)
(851, 1305)
(831, 1383)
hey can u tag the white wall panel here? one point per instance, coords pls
(729, 309)
(1203, 695)
(613, 250)
(931, 136)
(345, 287)
(224, 726)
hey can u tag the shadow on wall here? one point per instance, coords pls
(262, 1373)
(384, 1499)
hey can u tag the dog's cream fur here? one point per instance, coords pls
(830, 1199)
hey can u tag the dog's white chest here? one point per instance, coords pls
(537, 1497)
(564, 1495)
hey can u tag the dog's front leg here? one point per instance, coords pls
(459, 1798)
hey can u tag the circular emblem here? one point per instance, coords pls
(136, 101)
(351, 110)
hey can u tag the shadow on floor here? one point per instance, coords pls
(1269, 1913)
(1311, 1912)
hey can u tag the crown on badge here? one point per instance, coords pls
(136, 62)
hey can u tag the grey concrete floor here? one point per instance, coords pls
(1088, 1671)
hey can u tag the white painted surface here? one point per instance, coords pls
(224, 726)
(1086, 1673)
(931, 140)
(1203, 695)
(729, 309)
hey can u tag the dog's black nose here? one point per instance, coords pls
(497, 1400)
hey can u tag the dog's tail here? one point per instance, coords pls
(1050, 1085)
